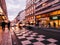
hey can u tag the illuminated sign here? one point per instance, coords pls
(55, 17)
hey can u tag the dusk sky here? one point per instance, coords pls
(14, 6)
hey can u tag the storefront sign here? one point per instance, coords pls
(55, 18)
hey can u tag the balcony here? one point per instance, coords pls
(51, 9)
(40, 3)
(47, 5)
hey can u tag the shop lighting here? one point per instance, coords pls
(1, 11)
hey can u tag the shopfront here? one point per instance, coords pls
(37, 18)
(55, 18)
(30, 20)
(2, 18)
(55, 21)
(43, 19)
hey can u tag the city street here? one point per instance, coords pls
(29, 37)
(29, 22)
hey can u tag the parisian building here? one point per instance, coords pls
(20, 17)
(48, 12)
(3, 10)
(30, 10)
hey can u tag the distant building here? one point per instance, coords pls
(20, 17)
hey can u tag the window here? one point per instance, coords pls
(44, 4)
(57, 4)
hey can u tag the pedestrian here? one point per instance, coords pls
(37, 23)
(49, 25)
(8, 25)
(20, 27)
(3, 25)
(54, 24)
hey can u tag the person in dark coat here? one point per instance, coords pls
(49, 24)
(54, 24)
(37, 24)
(20, 27)
(8, 25)
(3, 25)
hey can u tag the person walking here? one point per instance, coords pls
(3, 25)
(19, 25)
(49, 25)
(54, 24)
(8, 25)
(38, 23)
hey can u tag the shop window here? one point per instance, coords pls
(59, 22)
(56, 22)
(38, 16)
(51, 23)
(0, 18)
(58, 11)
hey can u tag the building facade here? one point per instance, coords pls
(3, 10)
(20, 17)
(30, 9)
(48, 12)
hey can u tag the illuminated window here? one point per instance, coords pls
(44, 4)
(38, 16)
(59, 22)
(58, 11)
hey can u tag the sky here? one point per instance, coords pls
(13, 7)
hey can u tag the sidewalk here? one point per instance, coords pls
(6, 38)
(1, 34)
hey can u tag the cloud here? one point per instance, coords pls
(14, 6)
